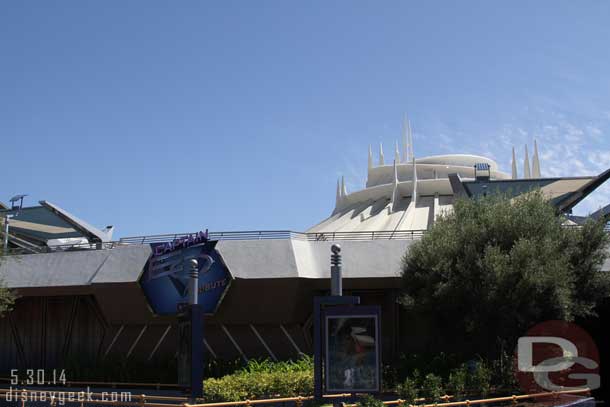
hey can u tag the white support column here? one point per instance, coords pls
(436, 209)
(395, 194)
(396, 154)
(414, 193)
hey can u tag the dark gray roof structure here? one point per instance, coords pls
(247, 259)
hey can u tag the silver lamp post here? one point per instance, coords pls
(194, 276)
(16, 204)
(336, 283)
(193, 281)
(6, 226)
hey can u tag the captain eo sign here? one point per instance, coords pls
(165, 277)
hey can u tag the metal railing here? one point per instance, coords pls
(232, 235)
(239, 235)
(284, 234)
(513, 398)
(144, 400)
(65, 248)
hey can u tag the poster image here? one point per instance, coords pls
(352, 353)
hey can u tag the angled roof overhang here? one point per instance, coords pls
(38, 226)
(569, 201)
(91, 233)
(564, 193)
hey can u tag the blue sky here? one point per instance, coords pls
(160, 117)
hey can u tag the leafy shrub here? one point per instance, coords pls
(221, 367)
(389, 374)
(456, 384)
(503, 373)
(369, 401)
(304, 363)
(7, 299)
(408, 390)
(476, 378)
(427, 362)
(262, 379)
(432, 387)
(479, 379)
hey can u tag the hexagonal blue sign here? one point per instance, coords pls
(165, 277)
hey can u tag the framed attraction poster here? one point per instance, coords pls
(352, 354)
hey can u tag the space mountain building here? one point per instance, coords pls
(83, 294)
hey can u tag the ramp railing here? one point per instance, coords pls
(22, 396)
(284, 234)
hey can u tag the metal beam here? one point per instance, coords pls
(68, 338)
(116, 336)
(133, 345)
(294, 344)
(241, 352)
(159, 342)
(43, 332)
(17, 341)
(260, 338)
(207, 345)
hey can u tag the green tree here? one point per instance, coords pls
(493, 267)
(6, 296)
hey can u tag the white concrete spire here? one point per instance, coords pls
(395, 195)
(410, 151)
(343, 188)
(515, 175)
(381, 160)
(526, 165)
(535, 162)
(338, 196)
(396, 154)
(370, 157)
(405, 141)
(414, 194)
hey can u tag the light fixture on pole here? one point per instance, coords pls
(14, 207)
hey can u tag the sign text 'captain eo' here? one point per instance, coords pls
(181, 243)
